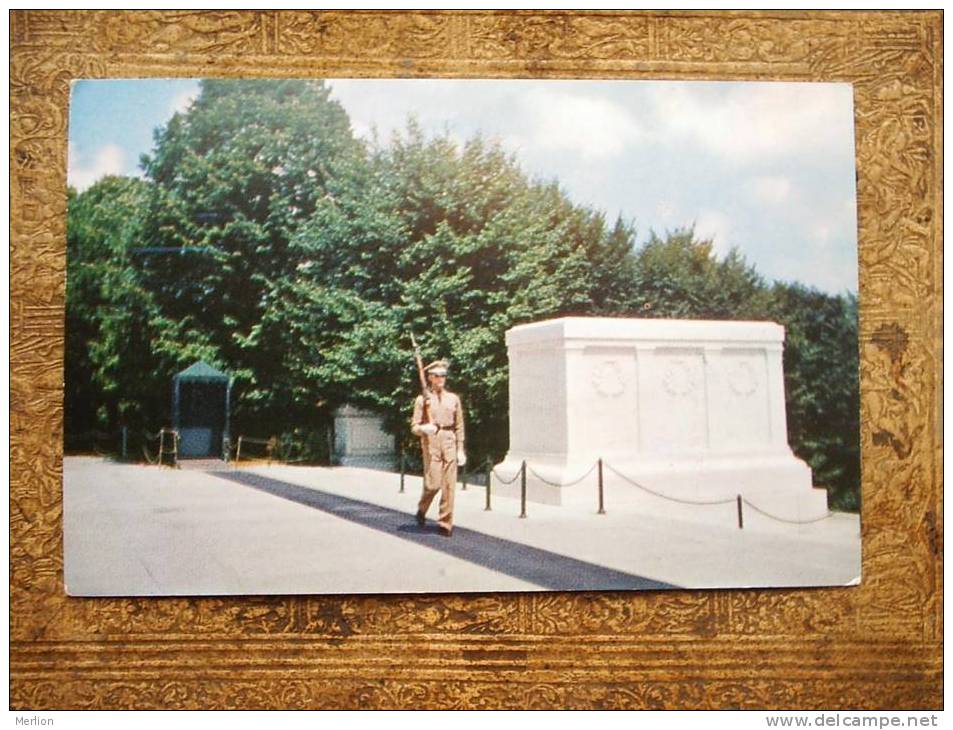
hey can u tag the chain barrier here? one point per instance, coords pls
(680, 500)
(564, 484)
(502, 480)
(160, 437)
(270, 445)
(145, 447)
(738, 499)
(665, 496)
(149, 459)
(782, 519)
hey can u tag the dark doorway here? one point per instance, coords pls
(201, 418)
(200, 411)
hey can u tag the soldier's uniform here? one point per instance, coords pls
(440, 450)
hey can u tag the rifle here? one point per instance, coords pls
(423, 379)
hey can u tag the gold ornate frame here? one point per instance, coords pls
(878, 645)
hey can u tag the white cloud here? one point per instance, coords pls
(666, 210)
(718, 227)
(363, 129)
(182, 101)
(830, 227)
(569, 122)
(83, 170)
(758, 121)
(772, 189)
(824, 267)
(821, 231)
(760, 165)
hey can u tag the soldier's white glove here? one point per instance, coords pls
(428, 428)
(461, 457)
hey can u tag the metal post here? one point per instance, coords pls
(602, 507)
(489, 482)
(125, 443)
(176, 409)
(523, 490)
(227, 436)
(238, 451)
(403, 468)
(741, 521)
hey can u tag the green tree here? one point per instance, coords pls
(233, 178)
(822, 389)
(109, 363)
(680, 276)
(453, 243)
(488, 248)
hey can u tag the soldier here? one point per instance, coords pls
(442, 442)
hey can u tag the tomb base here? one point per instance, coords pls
(690, 410)
(776, 485)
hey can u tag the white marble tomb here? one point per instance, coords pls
(360, 440)
(688, 408)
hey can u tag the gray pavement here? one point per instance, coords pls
(140, 530)
(542, 568)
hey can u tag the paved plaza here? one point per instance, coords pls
(210, 529)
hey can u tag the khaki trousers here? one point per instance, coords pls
(440, 475)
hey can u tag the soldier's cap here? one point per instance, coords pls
(437, 367)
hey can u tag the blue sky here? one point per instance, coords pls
(764, 166)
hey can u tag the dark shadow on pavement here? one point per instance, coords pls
(534, 565)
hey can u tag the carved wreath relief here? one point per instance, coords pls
(608, 380)
(742, 379)
(680, 381)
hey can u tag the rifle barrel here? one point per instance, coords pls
(423, 379)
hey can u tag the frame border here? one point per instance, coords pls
(873, 646)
